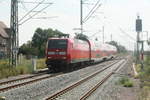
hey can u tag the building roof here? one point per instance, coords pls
(3, 32)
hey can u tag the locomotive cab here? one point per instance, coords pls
(56, 53)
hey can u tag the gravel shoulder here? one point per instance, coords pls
(111, 90)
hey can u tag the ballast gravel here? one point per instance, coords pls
(111, 90)
(79, 91)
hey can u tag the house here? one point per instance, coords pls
(4, 40)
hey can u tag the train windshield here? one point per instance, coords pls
(57, 44)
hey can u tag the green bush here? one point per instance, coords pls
(24, 68)
(123, 80)
(41, 63)
(126, 82)
(6, 70)
(144, 76)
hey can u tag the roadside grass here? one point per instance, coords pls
(25, 67)
(145, 93)
(41, 63)
(144, 77)
(6, 70)
(126, 82)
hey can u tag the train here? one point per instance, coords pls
(62, 53)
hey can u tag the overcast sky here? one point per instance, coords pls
(115, 15)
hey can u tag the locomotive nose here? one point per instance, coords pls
(57, 54)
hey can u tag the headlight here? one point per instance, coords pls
(62, 53)
(51, 53)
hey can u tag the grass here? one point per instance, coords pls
(25, 67)
(145, 93)
(126, 82)
(41, 63)
(6, 70)
(144, 76)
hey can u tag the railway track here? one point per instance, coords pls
(22, 78)
(75, 85)
(86, 95)
(11, 85)
(7, 85)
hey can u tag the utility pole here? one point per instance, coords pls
(81, 15)
(135, 49)
(142, 55)
(138, 53)
(103, 34)
(138, 30)
(111, 37)
(14, 36)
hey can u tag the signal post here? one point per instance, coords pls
(139, 55)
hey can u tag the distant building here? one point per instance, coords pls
(4, 40)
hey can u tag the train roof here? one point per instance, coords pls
(57, 38)
(71, 39)
(102, 46)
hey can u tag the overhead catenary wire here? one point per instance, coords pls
(92, 13)
(35, 14)
(121, 30)
(45, 17)
(24, 7)
(92, 8)
(95, 7)
(126, 34)
(34, 2)
(31, 10)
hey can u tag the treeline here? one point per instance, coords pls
(120, 48)
(36, 46)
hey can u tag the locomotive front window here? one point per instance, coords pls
(57, 44)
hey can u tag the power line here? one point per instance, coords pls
(92, 8)
(31, 10)
(122, 31)
(34, 2)
(45, 17)
(92, 13)
(95, 34)
(35, 14)
(95, 7)
(24, 7)
(126, 34)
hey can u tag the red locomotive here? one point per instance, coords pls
(63, 52)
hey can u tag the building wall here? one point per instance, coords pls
(4, 40)
(3, 47)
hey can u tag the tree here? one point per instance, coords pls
(148, 41)
(27, 49)
(81, 36)
(120, 48)
(38, 43)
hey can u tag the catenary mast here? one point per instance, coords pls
(14, 36)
